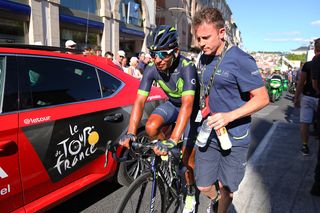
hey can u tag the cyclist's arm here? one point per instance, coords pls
(142, 95)
(136, 113)
(183, 117)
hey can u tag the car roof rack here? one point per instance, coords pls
(40, 47)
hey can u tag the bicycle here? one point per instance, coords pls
(159, 188)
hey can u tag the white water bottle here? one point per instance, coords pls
(224, 139)
(204, 134)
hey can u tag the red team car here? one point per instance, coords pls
(58, 111)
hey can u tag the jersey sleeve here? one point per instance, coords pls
(189, 77)
(248, 75)
(146, 81)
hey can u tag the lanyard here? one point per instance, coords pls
(205, 90)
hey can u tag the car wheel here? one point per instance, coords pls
(129, 171)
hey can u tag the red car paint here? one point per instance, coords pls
(49, 154)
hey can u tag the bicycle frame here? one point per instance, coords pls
(165, 168)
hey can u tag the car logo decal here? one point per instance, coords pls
(3, 174)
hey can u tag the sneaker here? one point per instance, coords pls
(190, 204)
(315, 190)
(304, 150)
(213, 206)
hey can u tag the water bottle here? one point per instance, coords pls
(224, 139)
(204, 134)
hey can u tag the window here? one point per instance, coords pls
(84, 5)
(109, 84)
(48, 81)
(80, 36)
(2, 76)
(130, 12)
(12, 31)
(8, 84)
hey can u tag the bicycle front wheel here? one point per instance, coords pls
(139, 195)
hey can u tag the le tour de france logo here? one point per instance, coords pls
(77, 147)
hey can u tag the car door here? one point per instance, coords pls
(10, 182)
(63, 127)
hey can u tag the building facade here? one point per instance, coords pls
(111, 24)
(179, 13)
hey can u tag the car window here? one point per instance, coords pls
(49, 81)
(2, 77)
(109, 84)
(8, 84)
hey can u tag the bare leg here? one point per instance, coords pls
(225, 199)
(188, 155)
(304, 130)
(153, 127)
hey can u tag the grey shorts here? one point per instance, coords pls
(308, 107)
(212, 164)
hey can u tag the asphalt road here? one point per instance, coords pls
(104, 196)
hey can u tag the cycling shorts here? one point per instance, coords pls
(170, 112)
(213, 164)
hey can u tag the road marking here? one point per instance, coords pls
(263, 144)
(3, 174)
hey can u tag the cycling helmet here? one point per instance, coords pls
(163, 37)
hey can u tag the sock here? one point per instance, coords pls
(191, 190)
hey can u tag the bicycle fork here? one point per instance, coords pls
(154, 183)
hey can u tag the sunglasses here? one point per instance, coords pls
(161, 54)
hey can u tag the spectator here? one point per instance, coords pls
(97, 51)
(132, 70)
(109, 55)
(305, 98)
(144, 60)
(236, 79)
(119, 58)
(87, 51)
(124, 64)
(69, 44)
(315, 71)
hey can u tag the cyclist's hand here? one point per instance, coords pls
(162, 147)
(125, 139)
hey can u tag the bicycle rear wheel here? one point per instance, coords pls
(138, 196)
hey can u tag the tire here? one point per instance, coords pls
(137, 198)
(129, 171)
(273, 98)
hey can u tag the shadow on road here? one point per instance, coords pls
(88, 198)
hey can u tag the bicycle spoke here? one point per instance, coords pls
(140, 199)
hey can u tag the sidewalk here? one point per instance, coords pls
(278, 178)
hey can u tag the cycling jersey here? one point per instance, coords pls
(181, 79)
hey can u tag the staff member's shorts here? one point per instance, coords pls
(308, 107)
(213, 164)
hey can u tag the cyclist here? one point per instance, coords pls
(177, 76)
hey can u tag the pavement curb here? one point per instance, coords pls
(263, 144)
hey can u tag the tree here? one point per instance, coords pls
(294, 57)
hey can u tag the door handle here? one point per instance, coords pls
(117, 117)
(8, 148)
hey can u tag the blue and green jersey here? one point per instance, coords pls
(181, 79)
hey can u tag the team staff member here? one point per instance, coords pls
(177, 76)
(236, 79)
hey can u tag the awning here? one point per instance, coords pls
(126, 30)
(15, 7)
(81, 21)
